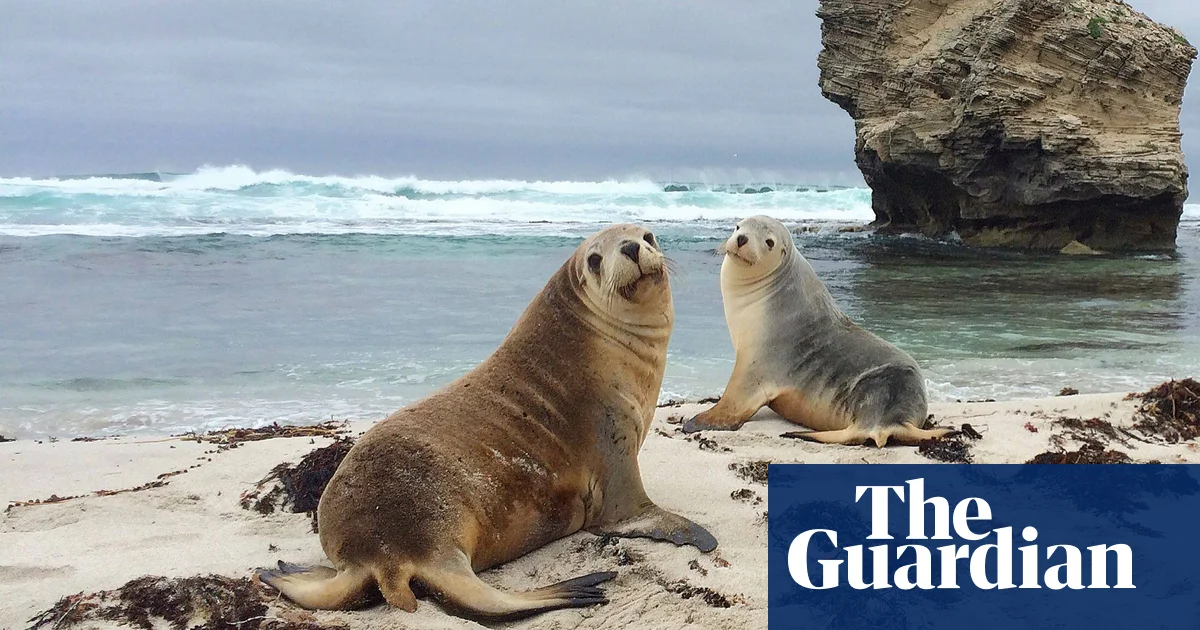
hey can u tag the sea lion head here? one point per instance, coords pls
(622, 270)
(759, 245)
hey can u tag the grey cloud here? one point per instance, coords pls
(1183, 16)
(440, 89)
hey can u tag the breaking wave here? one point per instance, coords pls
(239, 200)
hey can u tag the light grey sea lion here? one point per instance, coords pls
(799, 354)
(537, 442)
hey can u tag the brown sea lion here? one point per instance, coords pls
(797, 353)
(537, 442)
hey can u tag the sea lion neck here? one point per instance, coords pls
(793, 287)
(810, 288)
(563, 327)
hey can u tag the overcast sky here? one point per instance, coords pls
(440, 88)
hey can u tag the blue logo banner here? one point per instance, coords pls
(983, 546)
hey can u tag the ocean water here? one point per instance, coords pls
(164, 303)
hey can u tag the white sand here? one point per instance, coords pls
(194, 525)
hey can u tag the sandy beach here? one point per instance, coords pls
(193, 524)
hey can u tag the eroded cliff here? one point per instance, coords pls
(1016, 123)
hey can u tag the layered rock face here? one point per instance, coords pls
(1015, 123)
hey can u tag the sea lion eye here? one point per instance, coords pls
(649, 238)
(594, 263)
(770, 243)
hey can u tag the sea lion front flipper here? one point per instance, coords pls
(455, 584)
(627, 512)
(742, 399)
(659, 524)
(707, 421)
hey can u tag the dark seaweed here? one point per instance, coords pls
(298, 487)
(210, 602)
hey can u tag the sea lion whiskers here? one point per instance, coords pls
(721, 249)
(673, 268)
(609, 291)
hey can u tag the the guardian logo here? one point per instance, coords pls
(1056, 566)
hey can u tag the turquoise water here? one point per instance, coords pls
(228, 297)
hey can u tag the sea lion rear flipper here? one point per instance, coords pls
(319, 587)
(850, 436)
(909, 434)
(905, 433)
(455, 584)
(659, 524)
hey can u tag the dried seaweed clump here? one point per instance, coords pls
(952, 449)
(159, 482)
(1093, 435)
(210, 602)
(1090, 430)
(686, 590)
(707, 444)
(237, 436)
(746, 495)
(755, 472)
(298, 487)
(1091, 452)
(1170, 411)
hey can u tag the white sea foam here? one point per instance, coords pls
(233, 178)
(238, 200)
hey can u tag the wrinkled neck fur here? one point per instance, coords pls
(550, 329)
(749, 284)
(563, 326)
(793, 281)
(811, 290)
(646, 333)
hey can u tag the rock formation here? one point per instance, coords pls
(1015, 123)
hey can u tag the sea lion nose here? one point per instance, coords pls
(631, 249)
(741, 240)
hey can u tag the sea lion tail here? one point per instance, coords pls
(319, 587)
(457, 587)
